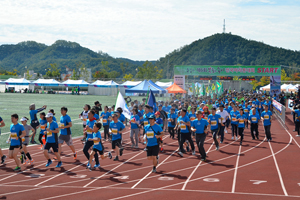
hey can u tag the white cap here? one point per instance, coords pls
(49, 115)
(23, 119)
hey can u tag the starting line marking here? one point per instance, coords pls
(121, 177)
(256, 182)
(166, 178)
(35, 175)
(213, 180)
(78, 176)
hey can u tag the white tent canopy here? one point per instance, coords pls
(17, 83)
(164, 85)
(131, 83)
(266, 87)
(104, 88)
(75, 83)
(46, 82)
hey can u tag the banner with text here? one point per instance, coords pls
(275, 84)
(277, 105)
(180, 81)
(199, 70)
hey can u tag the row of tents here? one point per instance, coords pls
(284, 87)
(99, 87)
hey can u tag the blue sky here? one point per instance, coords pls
(141, 30)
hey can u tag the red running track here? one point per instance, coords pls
(256, 170)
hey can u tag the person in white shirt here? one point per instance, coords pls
(224, 116)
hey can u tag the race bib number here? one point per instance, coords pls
(49, 134)
(214, 123)
(84, 119)
(259, 106)
(43, 127)
(192, 118)
(96, 142)
(246, 110)
(13, 136)
(114, 131)
(146, 123)
(222, 119)
(104, 120)
(254, 119)
(241, 121)
(23, 139)
(132, 120)
(150, 134)
(169, 119)
(234, 119)
(266, 117)
(61, 125)
(182, 126)
(89, 132)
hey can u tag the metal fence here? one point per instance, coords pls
(279, 110)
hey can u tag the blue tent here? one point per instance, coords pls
(144, 87)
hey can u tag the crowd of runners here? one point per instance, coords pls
(189, 120)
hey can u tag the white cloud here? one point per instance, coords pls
(141, 30)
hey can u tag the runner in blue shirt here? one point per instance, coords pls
(200, 126)
(97, 145)
(52, 140)
(117, 128)
(33, 119)
(52, 111)
(42, 126)
(266, 117)
(214, 120)
(17, 131)
(135, 130)
(246, 112)
(152, 133)
(242, 118)
(297, 119)
(172, 122)
(253, 120)
(159, 122)
(234, 123)
(106, 117)
(3, 157)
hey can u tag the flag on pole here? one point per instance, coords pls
(147, 94)
(151, 100)
(203, 90)
(122, 104)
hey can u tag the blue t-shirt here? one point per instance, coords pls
(167, 108)
(15, 132)
(52, 137)
(105, 116)
(43, 124)
(246, 111)
(192, 117)
(171, 116)
(65, 120)
(134, 118)
(1, 120)
(214, 121)
(151, 132)
(241, 121)
(97, 145)
(122, 118)
(159, 122)
(145, 118)
(96, 116)
(115, 128)
(183, 127)
(199, 125)
(229, 109)
(54, 119)
(297, 112)
(266, 116)
(254, 118)
(32, 114)
(89, 134)
(233, 116)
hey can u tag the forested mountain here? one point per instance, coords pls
(218, 49)
(227, 49)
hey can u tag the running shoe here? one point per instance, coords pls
(3, 159)
(88, 165)
(121, 151)
(97, 166)
(109, 155)
(257, 137)
(31, 162)
(194, 153)
(162, 150)
(33, 142)
(48, 163)
(136, 147)
(187, 148)
(132, 145)
(145, 149)
(253, 138)
(41, 146)
(157, 158)
(203, 159)
(236, 138)
(116, 158)
(221, 142)
(297, 135)
(217, 148)
(232, 138)
(59, 164)
(90, 168)
(241, 143)
(25, 162)
(17, 169)
(22, 158)
(226, 131)
(54, 158)
(75, 155)
(154, 170)
(180, 153)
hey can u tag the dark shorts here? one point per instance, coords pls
(84, 126)
(54, 146)
(14, 147)
(115, 143)
(96, 150)
(152, 151)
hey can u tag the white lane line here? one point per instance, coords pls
(151, 170)
(235, 170)
(278, 171)
(188, 179)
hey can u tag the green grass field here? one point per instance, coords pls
(19, 103)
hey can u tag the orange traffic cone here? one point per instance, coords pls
(43, 140)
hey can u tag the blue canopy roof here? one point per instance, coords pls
(144, 87)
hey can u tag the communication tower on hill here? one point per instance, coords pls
(224, 27)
